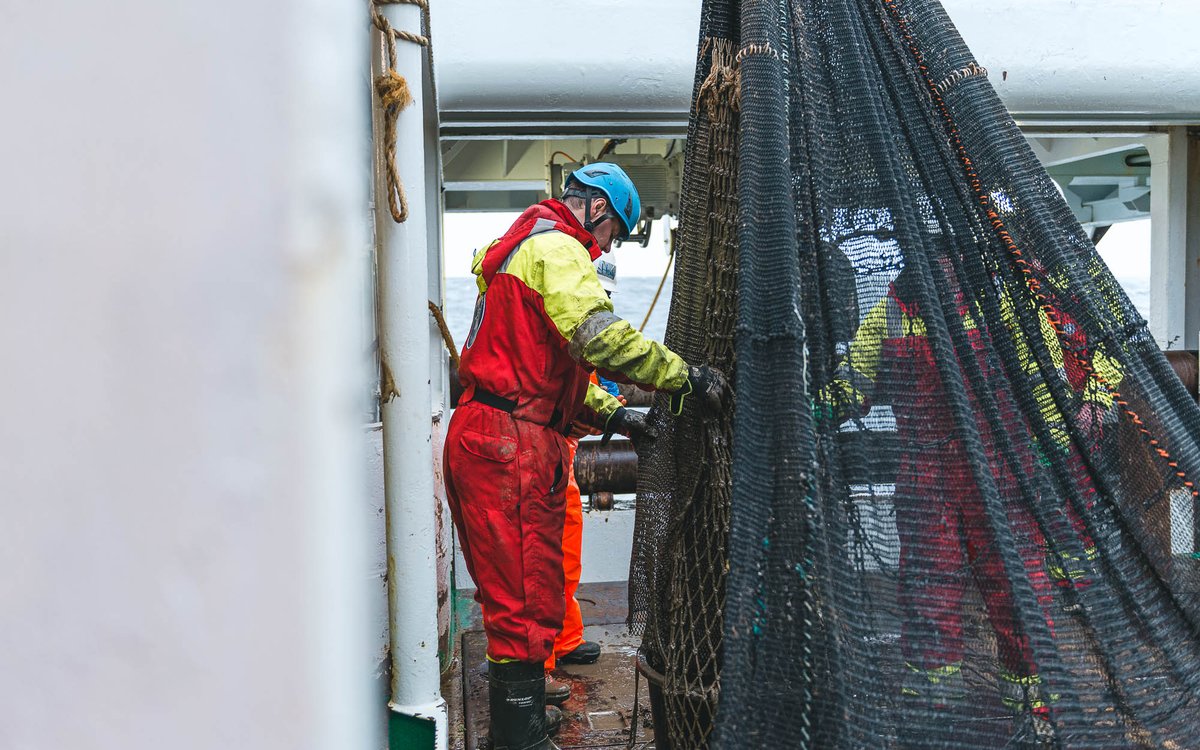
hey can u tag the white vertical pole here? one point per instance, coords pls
(439, 358)
(1168, 236)
(1191, 271)
(404, 344)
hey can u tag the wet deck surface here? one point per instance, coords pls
(600, 712)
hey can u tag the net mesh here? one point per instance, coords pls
(677, 591)
(955, 505)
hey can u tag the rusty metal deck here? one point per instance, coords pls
(600, 712)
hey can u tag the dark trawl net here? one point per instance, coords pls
(961, 509)
(680, 560)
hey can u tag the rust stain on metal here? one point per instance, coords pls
(439, 517)
(456, 386)
(387, 383)
(599, 712)
(603, 501)
(606, 468)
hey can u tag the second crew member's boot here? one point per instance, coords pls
(554, 717)
(586, 652)
(557, 692)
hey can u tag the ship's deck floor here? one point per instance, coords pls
(600, 712)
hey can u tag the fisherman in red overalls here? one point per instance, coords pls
(542, 324)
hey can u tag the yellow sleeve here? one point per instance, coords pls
(867, 347)
(612, 344)
(850, 390)
(581, 311)
(563, 274)
(600, 401)
(1050, 337)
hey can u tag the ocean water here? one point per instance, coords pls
(1138, 289)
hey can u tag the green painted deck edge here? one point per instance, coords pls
(465, 614)
(410, 733)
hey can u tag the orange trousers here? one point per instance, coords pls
(572, 632)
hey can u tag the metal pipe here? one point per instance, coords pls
(635, 396)
(606, 468)
(1185, 364)
(405, 329)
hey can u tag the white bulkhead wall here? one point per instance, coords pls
(181, 223)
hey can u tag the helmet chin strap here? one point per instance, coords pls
(587, 215)
(588, 224)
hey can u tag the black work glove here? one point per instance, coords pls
(706, 382)
(632, 424)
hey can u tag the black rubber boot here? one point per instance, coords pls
(554, 717)
(585, 653)
(517, 696)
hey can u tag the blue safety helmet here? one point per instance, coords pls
(616, 186)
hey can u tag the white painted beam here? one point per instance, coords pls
(1103, 61)
(506, 69)
(1191, 268)
(616, 64)
(1053, 151)
(1169, 219)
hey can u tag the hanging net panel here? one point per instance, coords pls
(954, 504)
(680, 556)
